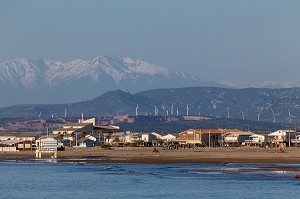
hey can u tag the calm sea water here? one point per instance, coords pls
(97, 180)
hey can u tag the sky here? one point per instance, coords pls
(233, 41)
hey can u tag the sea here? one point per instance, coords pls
(79, 179)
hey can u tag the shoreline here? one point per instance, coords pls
(164, 156)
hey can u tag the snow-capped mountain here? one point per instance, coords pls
(31, 73)
(22, 72)
(48, 81)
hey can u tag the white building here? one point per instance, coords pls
(257, 138)
(236, 138)
(281, 136)
(148, 137)
(168, 137)
(130, 137)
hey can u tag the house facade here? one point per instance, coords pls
(191, 136)
(236, 138)
(281, 136)
(19, 140)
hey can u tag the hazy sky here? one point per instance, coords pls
(240, 41)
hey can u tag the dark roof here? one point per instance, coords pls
(97, 127)
(21, 134)
(78, 124)
(67, 129)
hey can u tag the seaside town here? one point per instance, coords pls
(90, 133)
(149, 99)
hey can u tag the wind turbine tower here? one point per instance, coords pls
(258, 115)
(136, 110)
(187, 110)
(65, 112)
(40, 114)
(155, 111)
(177, 112)
(228, 114)
(274, 119)
(172, 107)
(290, 117)
(243, 116)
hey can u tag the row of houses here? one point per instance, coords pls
(235, 137)
(82, 137)
(87, 133)
(12, 141)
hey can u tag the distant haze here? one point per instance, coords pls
(240, 43)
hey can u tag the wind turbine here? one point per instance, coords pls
(187, 110)
(243, 115)
(136, 110)
(52, 115)
(172, 109)
(258, 115)
(274, 120)
(228, 115)
(155, 111)
(65, 112)
(167, 112)
(290, 117)
(177, 112)
(40, 114)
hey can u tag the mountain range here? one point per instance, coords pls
(256, 104)
(25, 80)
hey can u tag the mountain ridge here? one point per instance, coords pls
(47, 81)
(257, 104)
(27, 70)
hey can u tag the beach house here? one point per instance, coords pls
(255, 140)
(215, 137)
(296, 141)
(190, 137)
(19, 140)
(74, 133)
(236, 138)
(281, 136)
(148, 138)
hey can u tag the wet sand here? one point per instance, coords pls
(146, 155)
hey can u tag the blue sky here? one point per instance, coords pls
(233, 40)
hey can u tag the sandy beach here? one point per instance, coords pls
(146, 155)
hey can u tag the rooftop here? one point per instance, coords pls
(21, 134)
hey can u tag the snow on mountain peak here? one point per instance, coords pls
(128, 61)
(143, 67)
(39, 81)
(23, 71)
(37, 72)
